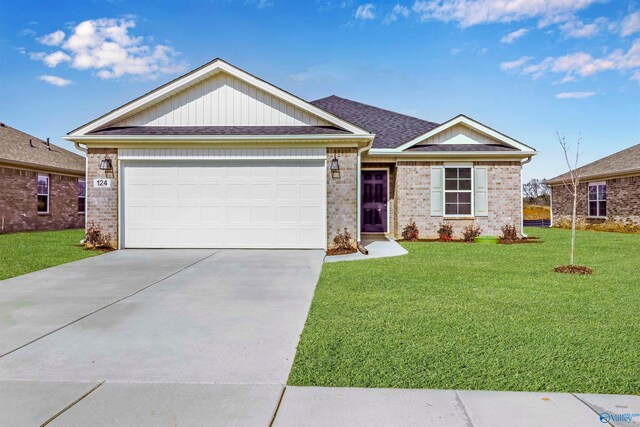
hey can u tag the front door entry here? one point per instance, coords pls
(374, 201)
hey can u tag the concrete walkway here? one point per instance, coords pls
(379, 246)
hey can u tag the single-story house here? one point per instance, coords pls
(608, 193)
(42, 185)
(220, 158)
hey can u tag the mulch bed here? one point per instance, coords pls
(573, 269)
(336, 251)
(433, 240)
(520, 241)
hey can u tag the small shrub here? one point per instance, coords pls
(471, 232)
(509, 232)
(94, 238)
(343, 241)
(410, 231)
(445, 231)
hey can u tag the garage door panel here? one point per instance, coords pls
(224, 204)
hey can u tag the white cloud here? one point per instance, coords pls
(106, 46)
(468, 13)
(574, 95)
(630, 24)
(366, 11)
(517, 63)
(582, 64)
(397, 11)
(455, 50)
(54, 80)
(514, 35)
(52, 39)
(579, 30)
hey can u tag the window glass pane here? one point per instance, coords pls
(465, 184)
(464, 173)
(451, 197)
(82, 189)
(451, 173)
(451, 184)
(593, 208)
(81, 204)
(464, 197)
(603, 208)
(451, 209)
(43, 184)
(593, 192)
(602, 192)
(42, 203)
(464, 209)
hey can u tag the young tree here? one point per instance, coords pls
(571, 184)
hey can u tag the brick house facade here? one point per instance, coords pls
(263, 178)
(615, 185)
(21, 163)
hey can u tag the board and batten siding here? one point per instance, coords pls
(222, 153)
(223, 100)
(459, 134)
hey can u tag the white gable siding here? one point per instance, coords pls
(460, 134)
(223, 100)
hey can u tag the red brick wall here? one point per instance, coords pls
(18, 202)
(102, 203)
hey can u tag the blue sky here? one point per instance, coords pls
(526, 68)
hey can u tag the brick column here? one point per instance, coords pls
(341, 193)
(102, 203)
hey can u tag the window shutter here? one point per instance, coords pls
(437, 180)
(481, 191)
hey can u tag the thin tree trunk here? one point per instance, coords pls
(573, 223)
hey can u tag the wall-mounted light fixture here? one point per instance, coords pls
(335, 167)
(106, 166)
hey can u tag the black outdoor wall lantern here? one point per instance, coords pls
(106, 165)
(335, 167)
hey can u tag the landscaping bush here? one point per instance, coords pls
(343, 241)
(470, 232)
(94, 238)
(445, 231)
(509, 232)
(411, 232)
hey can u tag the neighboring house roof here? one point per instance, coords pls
(220, 130)
(625, 162)
(391, 129)
(15, 149)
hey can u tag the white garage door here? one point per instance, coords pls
(224, 203)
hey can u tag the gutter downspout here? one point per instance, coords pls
(524, 162)
(358, 195)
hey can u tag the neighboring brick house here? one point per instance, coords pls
(608, 194)
(41, 185)
(220, 158)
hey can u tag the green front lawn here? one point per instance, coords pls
(22, 253)
(469, 316)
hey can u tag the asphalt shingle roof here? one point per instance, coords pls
(461, 147)
(15, 148)
(625, 161)
(391, 129)
(220, 130)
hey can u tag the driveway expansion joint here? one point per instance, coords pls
(69, 406)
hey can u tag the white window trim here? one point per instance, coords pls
(44, 175)
(82, 197)
(598, 200)
(445, 191)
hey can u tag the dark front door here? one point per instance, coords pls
(374, 201)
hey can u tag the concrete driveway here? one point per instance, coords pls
(194, 335)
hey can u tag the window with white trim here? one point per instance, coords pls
(597, 199)
(82, 195)
(43, 193)
(458, 191)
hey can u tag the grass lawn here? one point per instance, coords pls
(22, 253)
(468, 316)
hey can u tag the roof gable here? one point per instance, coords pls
(217, 94)
(16, 149)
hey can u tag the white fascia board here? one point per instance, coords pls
(497, 154)
(216, 138)
(461, 119)
(199, 74)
